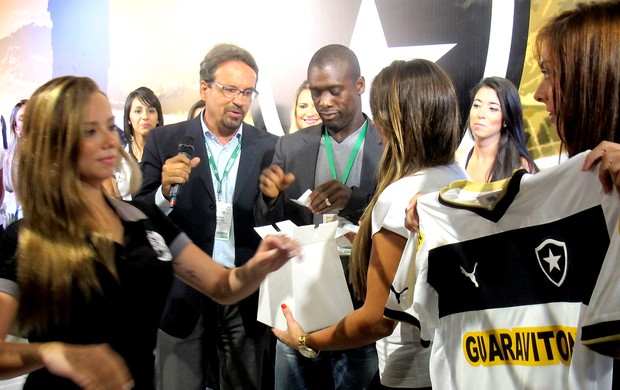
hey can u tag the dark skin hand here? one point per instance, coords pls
(274, 180)
(337, 194)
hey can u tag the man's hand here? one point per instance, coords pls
(274, 180)
(329, 196)
(176, 170)
(608, 153)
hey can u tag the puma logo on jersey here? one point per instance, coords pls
(398, 294)
(471, 275)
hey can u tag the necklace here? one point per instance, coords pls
(137, 151)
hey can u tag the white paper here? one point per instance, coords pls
(303, 199)
(312, 285)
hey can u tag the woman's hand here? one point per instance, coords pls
(412, 222)
(608, 154)
(293, 331)
(228, 286)
(273, 252)
(89, 366)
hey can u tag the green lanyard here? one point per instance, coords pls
(229, 164)
(356, 148)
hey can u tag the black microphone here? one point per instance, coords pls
(186, 148)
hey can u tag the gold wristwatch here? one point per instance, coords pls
(304, 349)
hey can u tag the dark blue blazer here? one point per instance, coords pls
(195, 210)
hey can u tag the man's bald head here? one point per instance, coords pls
(336, 55)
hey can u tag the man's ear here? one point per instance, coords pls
(204, 86)
(361, 85)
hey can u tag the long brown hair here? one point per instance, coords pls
(59, 238)
(414, 106)
(584, 60)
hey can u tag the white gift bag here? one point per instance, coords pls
(312, 285)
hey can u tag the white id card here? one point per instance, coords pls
(224, 215)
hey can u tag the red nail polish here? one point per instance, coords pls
(283, 305)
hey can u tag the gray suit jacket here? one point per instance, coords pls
(195, 210)
(297, 153)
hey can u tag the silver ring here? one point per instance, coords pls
(327, 202)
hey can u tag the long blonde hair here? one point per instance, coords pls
(59, 238)
(8, 167)
(294, 125)
(414, 106)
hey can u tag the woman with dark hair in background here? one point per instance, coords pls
(496, 125)
(141, 115)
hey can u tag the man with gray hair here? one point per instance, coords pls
(217, 188)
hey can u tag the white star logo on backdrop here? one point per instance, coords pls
(369, 44)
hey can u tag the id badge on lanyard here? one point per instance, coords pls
(223, 218)
(224, 210)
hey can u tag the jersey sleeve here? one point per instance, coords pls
(601, 326)
(399, 305)
(389, 211)
(158, 222)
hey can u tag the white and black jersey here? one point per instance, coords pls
(505, 272)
